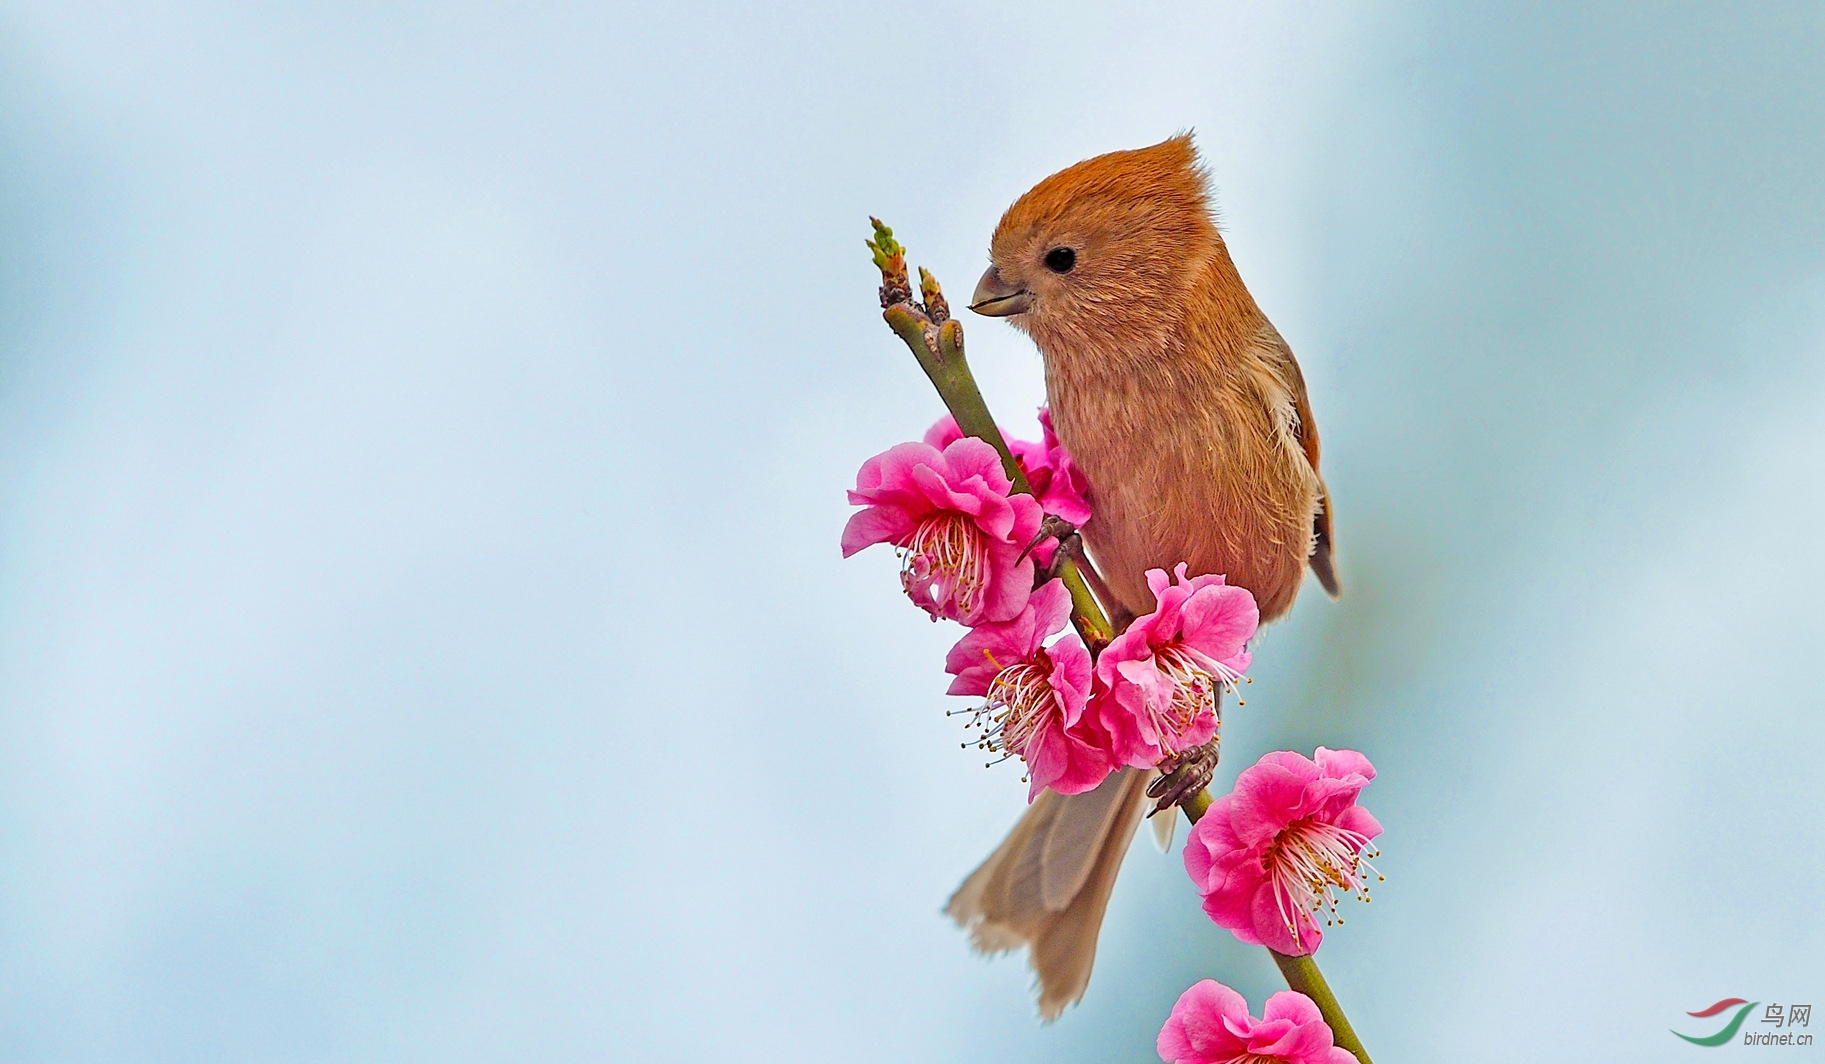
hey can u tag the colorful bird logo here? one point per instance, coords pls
(1729, 1030)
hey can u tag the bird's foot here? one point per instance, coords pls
(1071, 549)
(1185, 774)
(1070, 545)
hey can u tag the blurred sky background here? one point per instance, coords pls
(423, 433)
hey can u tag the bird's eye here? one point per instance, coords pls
(1060, 260)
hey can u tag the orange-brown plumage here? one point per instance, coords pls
(1187, 413)
(1173, 392)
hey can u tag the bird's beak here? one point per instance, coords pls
(998, 299)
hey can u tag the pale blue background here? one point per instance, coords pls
(422, 436)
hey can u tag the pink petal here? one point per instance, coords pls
(1167, 610)
(1231, 905)
(1327, 798)
(1270, 925)
(1303, 767)
(1131, 645)
(1225, 917)
(1238, 662)
(1010, 585)
(1071, 676)
(1296, 1045)
(1225, 873)
(1027, 519)
(943, 433)
(888, 476)
(1051, 607)
(1219, 620)
(1196, 1033)
(971, 457)
(1046, 758)
(1109, 715)
(1031, 457)
(877, 524)
(1291, 1005)
(1267, 800)
(1068, 493)
(1341, 764)
(1307, 1039)
(940, 492)
(1047, 434)
(973, 681)
(1234, 880)
(1068, 505)
(1359, 820)
(1074, 767)
(984, 651)
(1264, 1036)
(1199, 583)
(1138, 685)
(1200, 850)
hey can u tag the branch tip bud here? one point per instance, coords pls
(935, 305)
(890, 259)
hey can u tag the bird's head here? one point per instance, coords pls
(1104, 252)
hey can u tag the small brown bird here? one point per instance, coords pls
(1188, 416)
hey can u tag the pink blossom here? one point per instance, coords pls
(1060, 485)
(1034, 695)
(960, 531)
(1161, 676)
(1057, 482)
(1210, 1024)
(1269, 854)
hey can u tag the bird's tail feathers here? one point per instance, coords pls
(1047, 886)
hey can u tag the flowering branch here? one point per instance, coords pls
(1290, 831)
(936, 340)
(1300, 972)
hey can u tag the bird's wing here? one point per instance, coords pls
(1305, 430)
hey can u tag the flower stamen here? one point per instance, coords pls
(946, 562)
(1019, 701)
(1310, 862)
(1195, 680)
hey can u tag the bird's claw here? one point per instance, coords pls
(1050, 528)
(1070, 545)
(1184, 775)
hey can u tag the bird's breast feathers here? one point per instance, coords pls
(1193, 461)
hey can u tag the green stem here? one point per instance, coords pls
(1302, 974)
